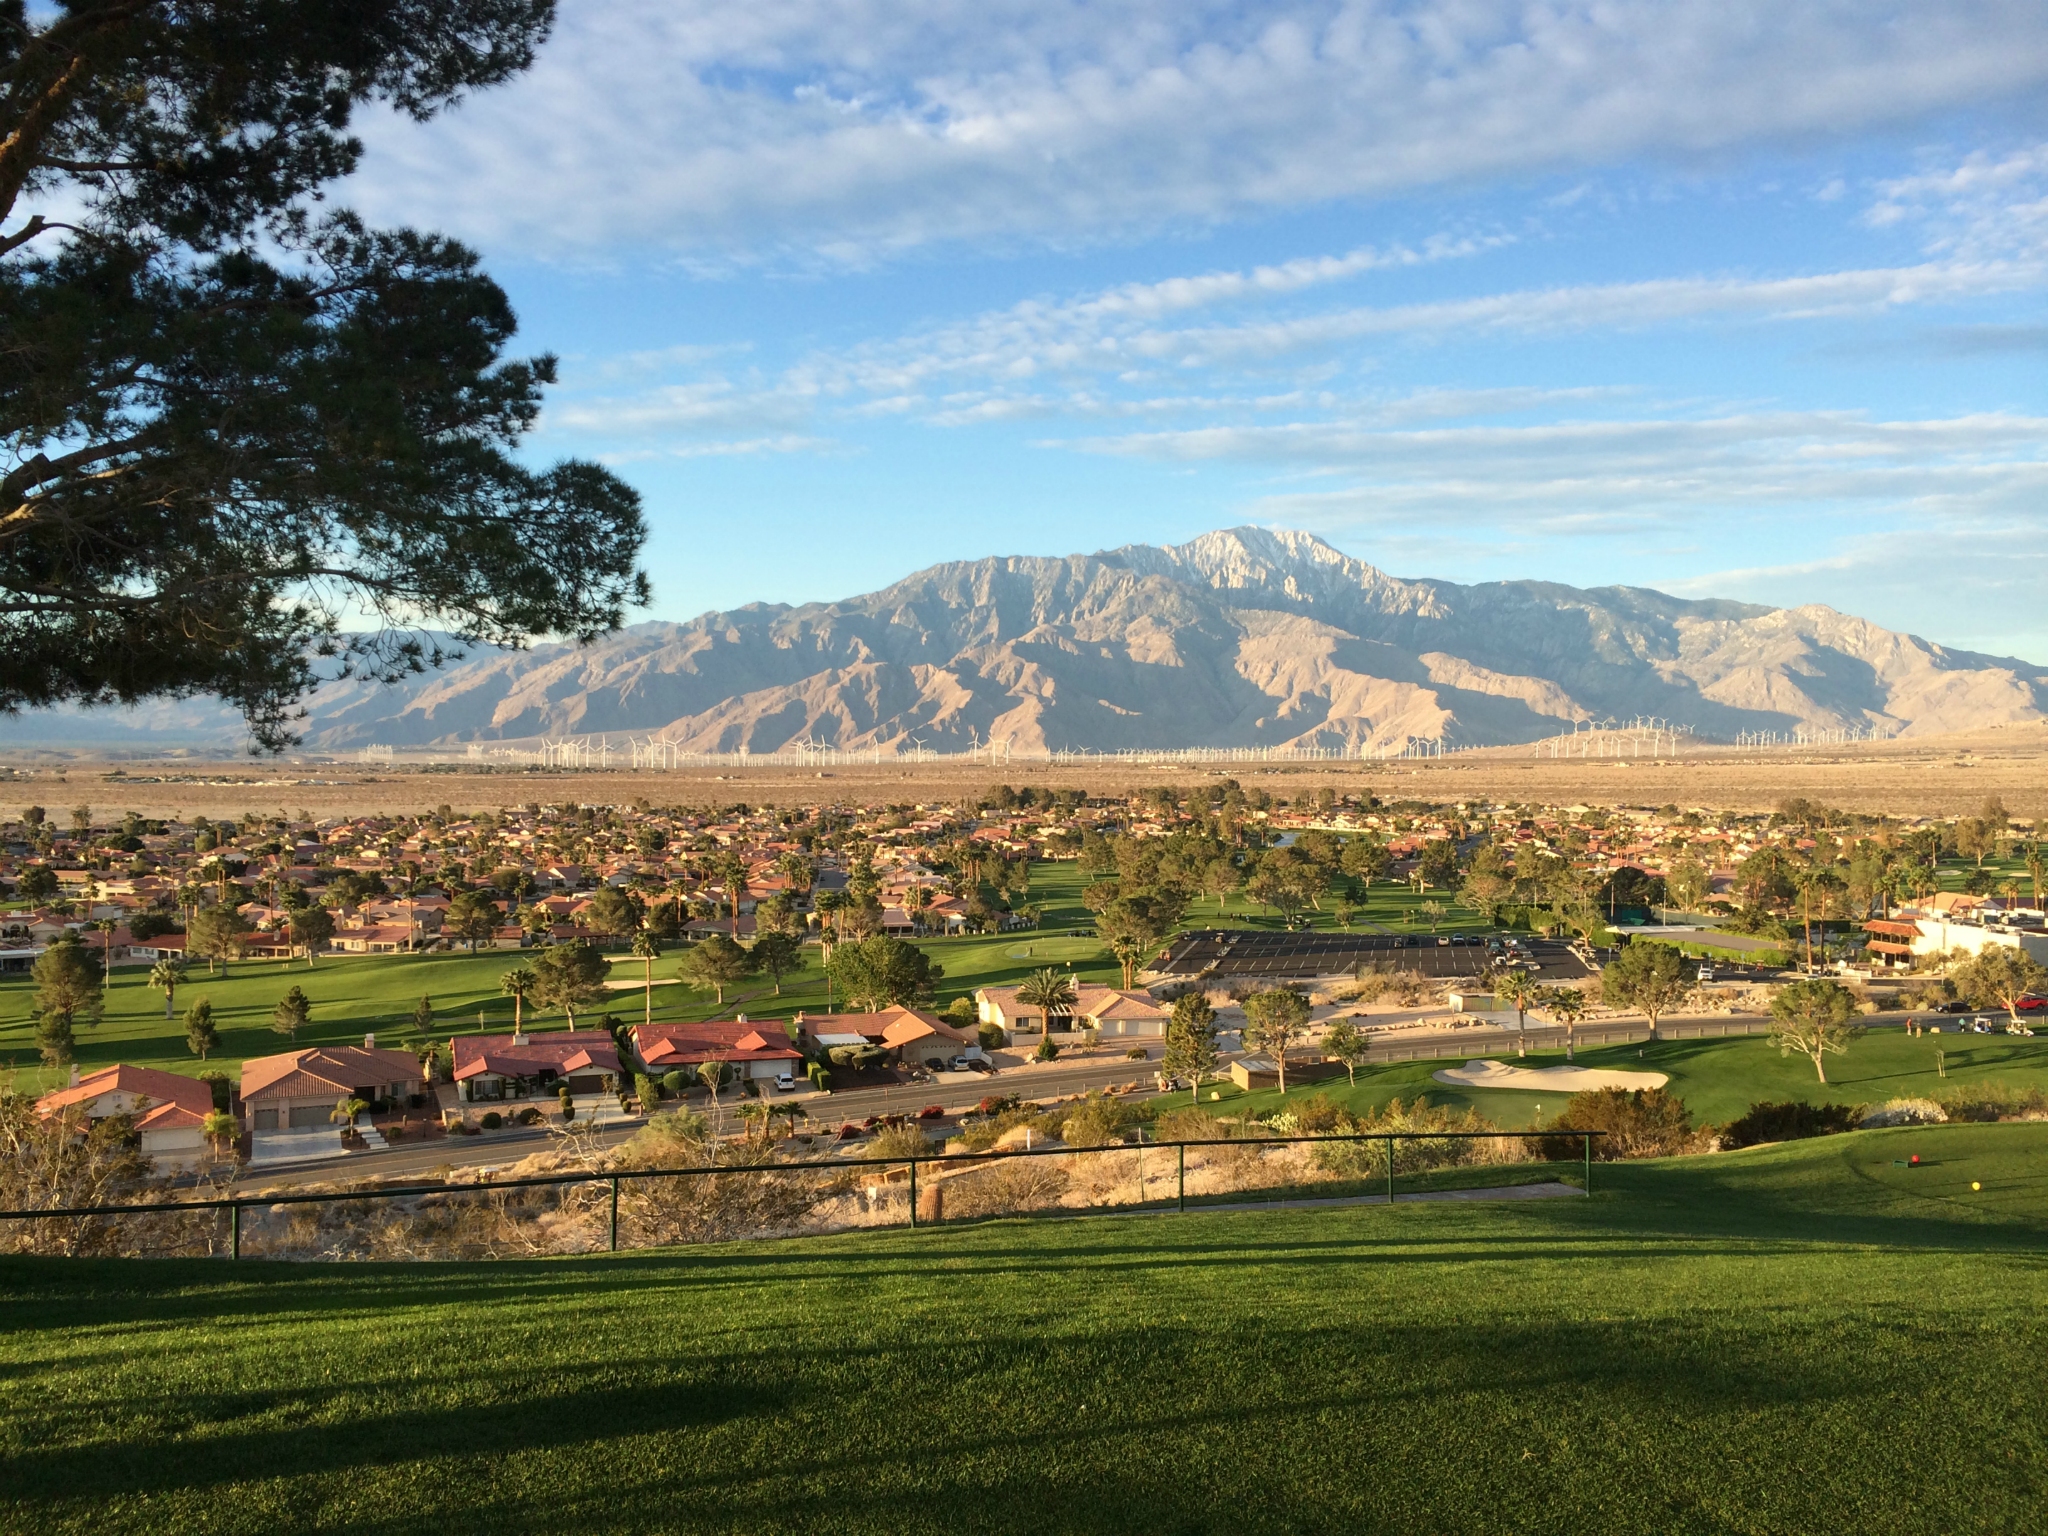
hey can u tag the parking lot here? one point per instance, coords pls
(1236, 952)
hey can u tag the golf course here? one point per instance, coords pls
(1814, 1336)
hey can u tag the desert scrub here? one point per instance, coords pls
(1416, 1120)
(1633, 1122)
(1006, 1187)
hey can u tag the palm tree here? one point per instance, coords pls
(1046, 990)
(1519, 991)
(220, 1129)
(647, 948)
(1567, 1005)
(732, 874)
(166, 976)
(345, 1111)
(106, 927)
(515, 984)
(829, 904)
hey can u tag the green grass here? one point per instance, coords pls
(355, 995)
(1718, 1079)
(1798, 1338)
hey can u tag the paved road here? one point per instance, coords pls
(426, 1160)
(503, 1148)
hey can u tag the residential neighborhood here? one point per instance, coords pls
(719, 895)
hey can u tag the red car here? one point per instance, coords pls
(2031, 1004)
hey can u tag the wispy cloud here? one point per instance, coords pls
(1583, 478)
(834, 130)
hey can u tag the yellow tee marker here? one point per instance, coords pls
(1975, 1185)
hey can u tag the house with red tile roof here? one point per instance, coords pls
(491, 1067)
(1109, 1010)
(170, 1111)
(760, 1051)
(918, 1038)
(299, 1089)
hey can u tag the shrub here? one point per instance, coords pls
(1190, 1124)
(1790, 1121)
(899, 1141)
(394, 1132)
(1047, 1050)
(1008, 1186)
(931, 1112)
(529, 1116)
(673, 1082)
(1995, 1101)
(1905, 1112)
(990, 1037)
(1638, 1122)
(1135, 1053)
(1423, 1150)
(1319, 1113)
(649, 1094)
(1094, 1122)
(492, 1120)
(676, 1135)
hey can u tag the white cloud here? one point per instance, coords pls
(1583, 478)
(724, 129)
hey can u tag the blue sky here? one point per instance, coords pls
(1727, 298)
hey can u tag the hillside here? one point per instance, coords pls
(1798, 1338)
(1240, 638)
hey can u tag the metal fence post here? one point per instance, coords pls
(1182, 1199)
(913, 1191)
(615, 1213)
(1589, 1164)
(235, 1230)
(1390, 1170)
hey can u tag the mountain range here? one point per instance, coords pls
(1245, 637)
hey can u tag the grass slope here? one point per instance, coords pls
(1808, 1337)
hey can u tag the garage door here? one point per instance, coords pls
(309, 1114)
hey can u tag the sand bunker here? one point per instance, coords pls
(1498, 1074)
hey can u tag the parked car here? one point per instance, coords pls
(2031, 1004)
(1706, 973)
(785, 1082)
(960, 1064)
(1954, 1008)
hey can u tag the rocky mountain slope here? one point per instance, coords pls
(1240, 638)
